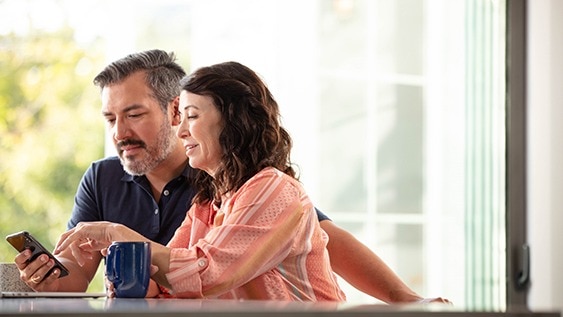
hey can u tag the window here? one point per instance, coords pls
(396, 108)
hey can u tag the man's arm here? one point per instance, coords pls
(363, 269)
(86, 208)
(78, 279)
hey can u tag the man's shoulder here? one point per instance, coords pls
(110, 162)
(106, 167)
(106, 175)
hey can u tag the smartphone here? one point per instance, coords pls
(24, 240)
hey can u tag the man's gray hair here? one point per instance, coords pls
(163, 74)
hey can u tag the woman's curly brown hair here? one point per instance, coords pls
(252, 138)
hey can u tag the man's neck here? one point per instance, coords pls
(169, 169)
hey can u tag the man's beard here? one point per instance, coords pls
(156, 154)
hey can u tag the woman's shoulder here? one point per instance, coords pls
(271, 175)
(268, 181)
(271, 172)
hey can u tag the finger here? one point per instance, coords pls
(62, 238)
(52, 277)
(33, 269)
(441, 300)
(154, 269)
(108, 284)
(22, 258)
(42, 272)
(35, 280)
(436, 300)
(110, 289)
(92, 245)
(64, 244)
(77, 253)
(49, 282)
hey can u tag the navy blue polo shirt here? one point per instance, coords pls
(108, 193)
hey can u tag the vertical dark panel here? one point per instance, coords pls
(517, 252)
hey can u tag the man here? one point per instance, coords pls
(147, 188)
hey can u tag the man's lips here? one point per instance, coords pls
(130, 147)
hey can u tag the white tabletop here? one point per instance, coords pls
(191, 307)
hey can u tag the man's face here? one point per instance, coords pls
(140, 130)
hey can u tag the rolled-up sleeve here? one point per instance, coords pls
(184, 272)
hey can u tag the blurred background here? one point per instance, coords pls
(396, 109)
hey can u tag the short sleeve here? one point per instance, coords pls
(321, 216)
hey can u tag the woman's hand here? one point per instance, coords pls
(110, 289)
(90, 237)
(439, 300)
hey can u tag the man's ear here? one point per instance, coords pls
(176, 115)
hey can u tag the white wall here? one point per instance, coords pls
(545, 152)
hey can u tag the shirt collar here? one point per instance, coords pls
(131, 178)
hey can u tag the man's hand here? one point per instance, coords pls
(89, 238)
(36, 274)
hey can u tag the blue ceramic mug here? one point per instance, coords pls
(128, 267)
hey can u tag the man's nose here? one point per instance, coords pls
(120, 130)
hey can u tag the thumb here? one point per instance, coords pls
(154, 269)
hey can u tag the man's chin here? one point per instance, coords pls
(133, 167)
(133, 172)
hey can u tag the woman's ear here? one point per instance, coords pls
(176, 115)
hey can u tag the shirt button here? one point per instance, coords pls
(202, 263)
(166, 192)
(156, 211)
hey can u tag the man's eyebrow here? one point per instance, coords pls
(127, 109)
(107, 113)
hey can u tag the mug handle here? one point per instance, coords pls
(111, 263)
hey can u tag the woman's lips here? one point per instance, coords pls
(189, 147)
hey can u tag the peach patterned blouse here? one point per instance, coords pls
(264, 242)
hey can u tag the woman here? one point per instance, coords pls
(252, 232)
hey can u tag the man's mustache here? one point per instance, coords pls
(121, 144)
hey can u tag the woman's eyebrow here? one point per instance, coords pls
(190, 106)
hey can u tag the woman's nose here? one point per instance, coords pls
(183, 129)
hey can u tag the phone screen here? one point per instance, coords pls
(24, 240)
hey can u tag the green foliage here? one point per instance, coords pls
(50, 130)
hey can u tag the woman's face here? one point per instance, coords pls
(199, 131)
